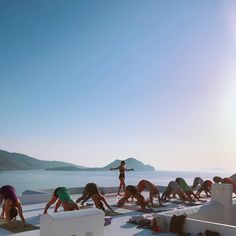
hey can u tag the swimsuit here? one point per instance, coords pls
(9, 192)
(122, 172)
(121, 176)
(184, 186)
(63, 194)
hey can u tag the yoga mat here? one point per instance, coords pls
(158, 206)
(18, 227)
(194, 204)
(137, 208)
(110, 213)
(3, 221)
(176, 201)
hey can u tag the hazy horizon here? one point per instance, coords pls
(88, 82)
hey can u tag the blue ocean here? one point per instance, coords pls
(41, 179)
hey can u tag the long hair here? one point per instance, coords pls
(13, 212)
(101, 206)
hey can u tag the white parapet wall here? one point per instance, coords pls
(217, 215)
(86, 222)
(194, 227)
(222, 193)
(35, 198)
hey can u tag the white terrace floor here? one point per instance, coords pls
(117, 227)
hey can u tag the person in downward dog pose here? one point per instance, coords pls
(62, 197)
(153, 190)
(206, 187)
(174, 189)
(187, 190)
(131, 191)
(197, 181)
(217, 179)
(11, 206)
(91, 191)
(230, 181)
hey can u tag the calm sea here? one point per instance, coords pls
(40, 179)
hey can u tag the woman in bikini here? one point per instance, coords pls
(62, 197)
(122, 168)
(11, 205)
(91, 191)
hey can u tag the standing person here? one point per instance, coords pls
(153, 189)
(122, 168)
(11, 205)
(131, 191)
(91, 191)
(62, 197)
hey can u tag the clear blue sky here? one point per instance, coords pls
(88, 82)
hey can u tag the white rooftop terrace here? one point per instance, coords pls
(118, 226)
(198, 219)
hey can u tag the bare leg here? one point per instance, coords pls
(122, 185)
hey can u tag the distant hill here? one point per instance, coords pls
(130, 163)
(18, 161)
(66, 168)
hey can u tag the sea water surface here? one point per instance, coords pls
(42, 179)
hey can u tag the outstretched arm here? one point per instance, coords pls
(151, 199)
(85, 196)
(130, 169)
(147, 204)
(19, 207)
(52, 201)
(85, 200)
(107, 205)
(7, 206)
(195, 196)
(3, 210)
(6, 209)
(57, 205)
(184, 197)
(164, 196)
(116, 168)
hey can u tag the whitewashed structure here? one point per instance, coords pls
(86, 222)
